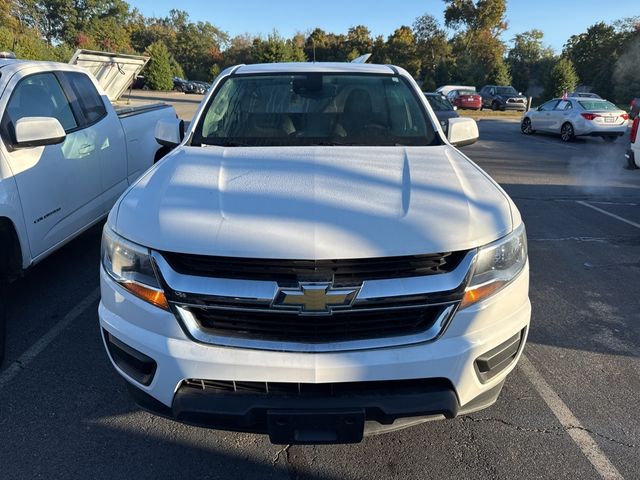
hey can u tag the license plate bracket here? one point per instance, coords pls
(300, 427)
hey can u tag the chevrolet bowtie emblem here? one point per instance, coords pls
(315, 298)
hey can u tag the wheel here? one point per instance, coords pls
(494, 106)
(525, 126)
(566, 132)
(610, 138)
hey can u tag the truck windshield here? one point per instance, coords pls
(507, 91)
(315, 109)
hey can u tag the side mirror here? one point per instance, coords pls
(519, 93)
(169, 133)
(455, 108)
(38, 132)
(462, 131)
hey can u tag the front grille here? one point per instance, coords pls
(341, 326)
(290, 272)
(516, 100)
(385, 387)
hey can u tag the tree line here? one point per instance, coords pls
(466, 48)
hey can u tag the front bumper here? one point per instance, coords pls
(452, 360)
(513, 106)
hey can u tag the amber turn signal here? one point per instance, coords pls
(480, 292)
(151, 295)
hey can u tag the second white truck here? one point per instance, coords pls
(315, 260)
(66, 155)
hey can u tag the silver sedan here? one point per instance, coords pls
(574, 117)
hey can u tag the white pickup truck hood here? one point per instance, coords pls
(314, 203)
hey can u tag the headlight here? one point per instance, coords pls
(130, 266)
(496, 266)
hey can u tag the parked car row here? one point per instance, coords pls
(190, 86)
(495, 97)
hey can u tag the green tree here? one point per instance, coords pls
(480, 15)
(594, 54)
(239, 51)
(359, 41)
(525, 57)
(562, 78)
(158, 73)
(500, 74)
(326, 47)
(625, 74)
(477, 47)
(433, 48)
(402, 50)
(275, 48)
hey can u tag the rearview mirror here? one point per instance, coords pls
(462, 131)
(38, 132)
(169, 132)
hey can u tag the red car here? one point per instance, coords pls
(465, 99)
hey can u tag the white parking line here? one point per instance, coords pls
(612, 215)
(569, 422)
(27, 357)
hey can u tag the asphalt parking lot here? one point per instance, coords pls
(568, 410)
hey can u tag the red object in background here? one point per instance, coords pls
(473, 102)
(634, 129)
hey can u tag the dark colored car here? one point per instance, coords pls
(497, 97)
(179, 84)
(442, 108)
(139, 83)
(197, 87)
(634, 108)
(465, 99)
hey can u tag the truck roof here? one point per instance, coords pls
(328, 67)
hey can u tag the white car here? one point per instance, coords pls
(315, 260)
(66, 155)
(574, 117)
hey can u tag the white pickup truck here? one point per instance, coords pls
(633, 154)
(66, 154)
(315, 260)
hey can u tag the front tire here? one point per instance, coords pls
(525, 126)
(495, 106)
(567, 134)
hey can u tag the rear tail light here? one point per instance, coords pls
(590, 116)
(625, 116)
(634, 129)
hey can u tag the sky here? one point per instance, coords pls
(558, 19)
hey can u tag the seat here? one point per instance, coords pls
(357, 112)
